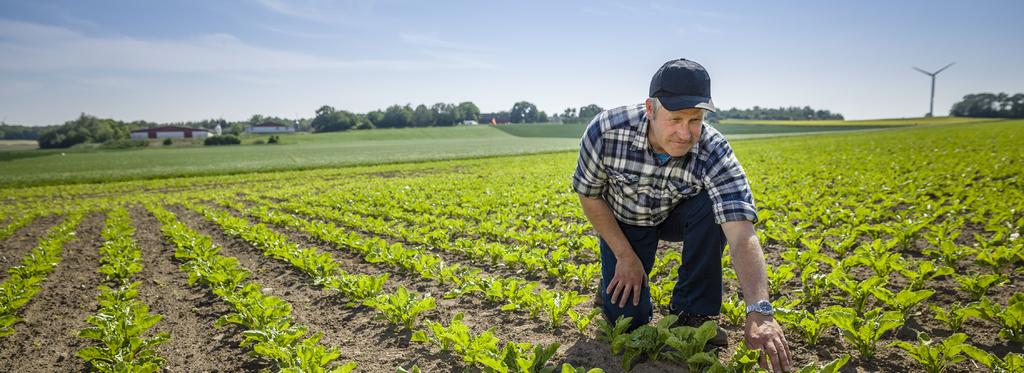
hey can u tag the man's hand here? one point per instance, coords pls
(629, 279)
(763, 333)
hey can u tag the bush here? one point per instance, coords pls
(124, 144)
(168, 141)
(222, 140)
(274, 139)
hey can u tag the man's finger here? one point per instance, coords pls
(784, 357)
(761, 358)
(615, 291)
(625, 295)
(773, 356)
(636, 295)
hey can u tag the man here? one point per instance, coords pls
(656, 172)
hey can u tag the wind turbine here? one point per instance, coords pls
(931, 104)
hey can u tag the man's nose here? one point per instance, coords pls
(684, 134)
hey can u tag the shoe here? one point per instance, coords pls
(721, 338)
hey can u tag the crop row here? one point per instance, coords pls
(24, 280)
(401, 308)
(268, 320)
(449, 235)
(118, 326)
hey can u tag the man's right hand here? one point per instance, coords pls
(629, 279)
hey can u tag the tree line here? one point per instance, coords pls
(989, 105)
(90, 129)
(780, 113)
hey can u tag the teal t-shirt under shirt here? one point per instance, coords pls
(662, 157)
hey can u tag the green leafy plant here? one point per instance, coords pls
(734, 309)
(926, 271)
(778, 276)
(903, 301)
(118, 327)
(809, 325)
(856, 292)
(401, 307)
(1012, 362)
(953, 315)
(948, 252)
(935, 357)
(864, 332)
(1010, 319)
(830, 367)
(979, 284)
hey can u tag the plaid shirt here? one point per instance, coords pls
(617, 164)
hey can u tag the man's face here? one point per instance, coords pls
(673, 132)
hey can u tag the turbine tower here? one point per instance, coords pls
(931, 104)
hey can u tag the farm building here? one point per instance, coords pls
(270, 127)
(170, 132)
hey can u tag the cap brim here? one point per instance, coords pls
(673, 103)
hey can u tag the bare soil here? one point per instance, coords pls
(47, 339)
(375, 345)
(14, 247)
(189, 311)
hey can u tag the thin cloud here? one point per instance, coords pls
(303, 35)
(30, 47)
(351, 12)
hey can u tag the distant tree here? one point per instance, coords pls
(423, 116)
(468, 111)
(781, 113)
(375, 117)
(589, 112)
(86, 129)
(330, 120)
(444, 114)
(524, 112)
(396, 116)
(988, 105)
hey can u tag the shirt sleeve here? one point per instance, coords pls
(727, 186)
(590, 178)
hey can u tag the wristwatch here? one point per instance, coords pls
(763, 307)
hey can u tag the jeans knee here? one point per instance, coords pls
(641, 314)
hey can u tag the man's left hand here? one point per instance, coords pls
(763, 333)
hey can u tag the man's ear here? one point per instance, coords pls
(649, 104)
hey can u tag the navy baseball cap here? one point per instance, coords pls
(682, 84)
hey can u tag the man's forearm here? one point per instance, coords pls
(748, 260)
(601, 217)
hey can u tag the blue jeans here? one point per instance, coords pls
(699, 288)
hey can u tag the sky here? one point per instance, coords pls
(171, 61)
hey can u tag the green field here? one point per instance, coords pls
(875, 242)
(867, 122)
(21, 167)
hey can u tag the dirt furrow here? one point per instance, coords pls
(47, 340)
(14, 247)
(370, 343)
(188, 311)
(578, 349)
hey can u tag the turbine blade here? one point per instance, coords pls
(947, 66)
(922, 71)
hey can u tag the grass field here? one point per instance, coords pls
(871, 238)
(867, 122)
(300, 151)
